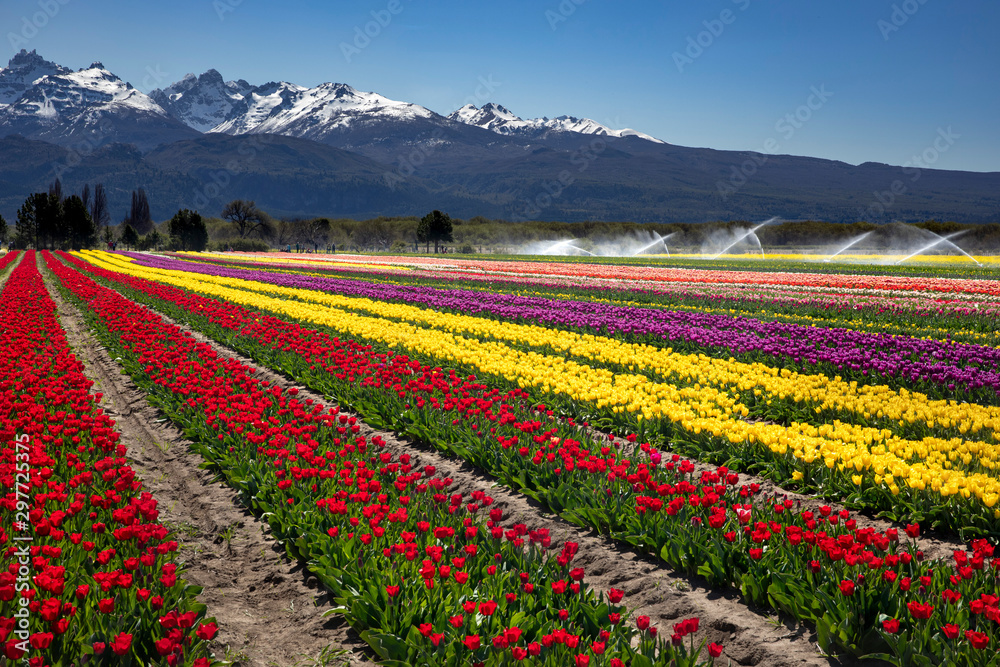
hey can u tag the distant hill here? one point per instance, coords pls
(286, 176)
(335, 151)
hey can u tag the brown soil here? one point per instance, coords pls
(269, 610)
(750, 636)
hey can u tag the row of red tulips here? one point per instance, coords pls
(805, 564)
(88, 573)
(7, 259)
(923, 502)
(428, 575)
(969, 320)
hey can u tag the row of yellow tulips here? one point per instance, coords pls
(890, 460)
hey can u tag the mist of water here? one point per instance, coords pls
(881, 246)
(748, 234)
(849, 244)
(940, 239)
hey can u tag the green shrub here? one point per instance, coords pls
(239, 245)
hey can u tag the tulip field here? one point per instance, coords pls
(649, 403)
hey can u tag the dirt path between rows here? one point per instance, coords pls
(751, 636)
(269, 610)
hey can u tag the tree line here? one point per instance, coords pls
(54, 220)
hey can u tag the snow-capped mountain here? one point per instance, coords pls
(202, 102)
(257, 105)
(498, 119)
(314, 113)
(491, 116)
(21, 73)
(362, 155)
(91, 105)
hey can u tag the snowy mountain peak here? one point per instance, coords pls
(21, 72)
(27, 59)
(313, 113)
(499, 111)
(202, 102)
(91, 104)
(464, 114)
(501, 120)
(41, 99)
(87, 91)
(211, 76)
(491, 116)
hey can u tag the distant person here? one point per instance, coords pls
(333, 248)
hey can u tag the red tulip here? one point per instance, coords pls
(164, 646)
(979, 640)
(121, 643)
(920, 610)
(207, 631)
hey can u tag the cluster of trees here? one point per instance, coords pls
(484, 234)
(248, 222)
(437, 227)
(46, 221)
(52, 220)
(56, 221)
(138, 216)
(185, 231)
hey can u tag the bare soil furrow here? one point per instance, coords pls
(751, 636)
(269, 610)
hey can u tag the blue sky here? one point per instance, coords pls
(854, 80)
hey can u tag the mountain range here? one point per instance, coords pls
(336, 151)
